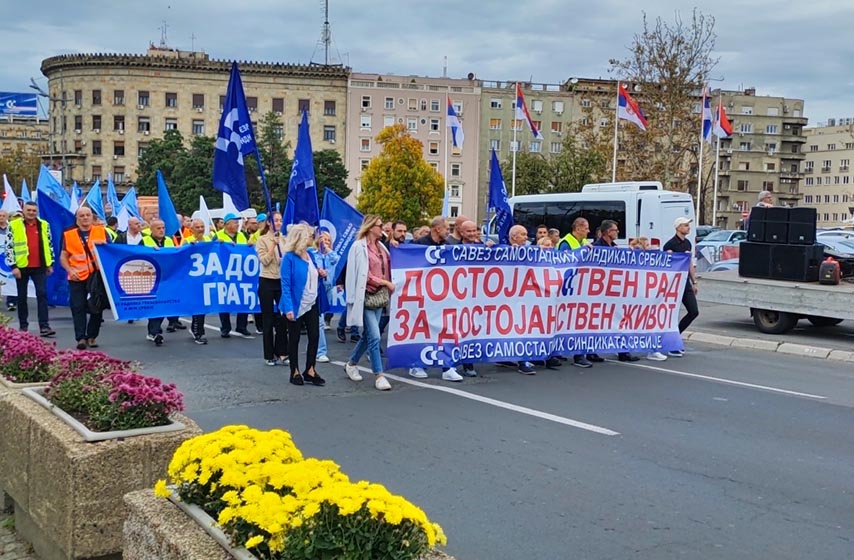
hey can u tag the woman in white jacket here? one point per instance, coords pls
(368, 272)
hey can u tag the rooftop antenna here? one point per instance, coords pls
(326, 39)
(163, 35)
(193, 42)
(445, 68)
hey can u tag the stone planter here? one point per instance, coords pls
(12, 385)
(67, 492)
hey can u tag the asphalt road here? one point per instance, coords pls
(721, 454)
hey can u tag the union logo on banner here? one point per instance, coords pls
(137, 278)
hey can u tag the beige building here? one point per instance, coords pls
(829, 178)
(116, 104)
(376, 101)
(765, 152)
(24, 135)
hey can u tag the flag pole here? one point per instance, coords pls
(513, 146)
(447, 112)
(717, 166)
(700, 164)
(616, 123)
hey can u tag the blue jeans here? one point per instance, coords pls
(342, 323)
(321, 344)
(370, 341)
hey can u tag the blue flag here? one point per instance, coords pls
(165, 208)
(302, 191)
(342, 221)
(77, 192)
(25, 192)
(51, 187)
(235, 140)
(112, 196)
(129, 202)
(95, 200)
(497, 201)
(59, 219)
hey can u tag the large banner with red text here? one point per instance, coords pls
(458, 304)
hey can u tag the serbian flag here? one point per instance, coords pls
(453, 121)
(707, 118)
(722, 128)
(522, 112)
(627, 109)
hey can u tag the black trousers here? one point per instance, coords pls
(689, 300)
(311, 321)
(272, 322)
(197, 326)
(225, 322)
(79, 311)
(39, 276)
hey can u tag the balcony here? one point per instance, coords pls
(825, 169)
(791, 175)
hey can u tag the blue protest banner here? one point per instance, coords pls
(342, 221)
(471, 303)
(59, 219)
(194, 279)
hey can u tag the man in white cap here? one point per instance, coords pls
(680, 243)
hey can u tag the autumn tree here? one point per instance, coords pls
(667, 66)
(398, 184)
(18, 165)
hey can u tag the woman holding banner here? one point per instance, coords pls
(270, 247)
(327, 260)
(367, 290)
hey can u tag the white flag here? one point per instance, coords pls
(10, 200)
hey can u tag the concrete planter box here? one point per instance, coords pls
(12, 385)
(67, 492)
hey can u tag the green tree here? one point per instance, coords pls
(398, 184)
(577, 165)
(274, 155)
(329, 172)
(162, 154)
(533, 173)
(18, 165)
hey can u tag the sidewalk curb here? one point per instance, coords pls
(789, 348)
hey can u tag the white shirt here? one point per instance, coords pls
(309, 293)
(134, 239)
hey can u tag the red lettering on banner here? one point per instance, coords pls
(673, 294)
(476, 314)
(536, 323)
(552, 284)
(614, 283)
(510, 290)
(530, 284)
(490, 274)
(449, 327)
(402, 317)
(656, 317)
(445, 282)
(596, 282)
(504, 312)
(421, 326)
(465, 322)
(630, 288)
(607, 321)
(412, 277)
(490, 319)
(476, 272)
(552, 317)
(522, 324)
(459, 275)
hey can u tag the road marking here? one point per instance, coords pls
(722, 380)
(500, 404)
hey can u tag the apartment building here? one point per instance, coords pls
(375, 101)
(105, 109)
(23, 134)
(765, 153)
(828, 176)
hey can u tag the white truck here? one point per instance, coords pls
(776, 305)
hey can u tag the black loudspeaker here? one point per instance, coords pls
(754, 259)
(757, 214)
(756, 224)
(803, 215)
(802, 224)
(776, 232)
(796, 262)
(777, 214)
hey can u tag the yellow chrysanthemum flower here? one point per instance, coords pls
(160, 489)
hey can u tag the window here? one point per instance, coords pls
(303, 106)
(844, 164)
(143, 124)
(535, 147)
(96, 147)
(494, 124)
(423, 104)
(329, 108)
(119, 122)
(96, 172)
(388, 120)
(363, 164)
(434, 105)
(96, 123)
(813, 148)
(171, 124)
(556, 148)
(365, 122)
(770, 148)
(78, 122)
(744, 146)
(411, 104)
(741, 206)
(561, 214)
(364, 144)
(516, 124)
(458, 107)
(199, 127)
(140, 149)
(744, 166)
(455, 211)
(143, 99)
(171, 100)
(537, 105)
(433, 148)
(78, 97)
(252, 104)
(119, 148)
(279, 105)
(119, 97)
(514, 145)
(831, 146)
(808, 199)
(743, 185)
(221, 102)
(495, 144)
(585, 103)
(770, 166)
(827, 199)
(845, 179)
(557, 107)
(746, 110)
(836, 199)
(826, 217)
(435, 125)
(557, 127)
(96, 97)
(119, 174)
(836, 180)
(366, 102)
(329, 133)
(825, 166)
(768, 186)
(849, 145)
(389, 103)
(434, 164)
(771, 129)
(746, 128)
(538, 125)
(495, 103)
(603, 122)
(808, 181)
(456, 169)
(772, 112)
(412, 124)
(279, 132)
(198, 101)
(808, 166)
(455, 191)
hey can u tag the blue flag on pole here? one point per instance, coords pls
(302, 190)
(59, 219)
(129, 201)
(165, 208)
(25, 192)
(95, 200)
(112, 196)
(51, 187)
(497, 201)
(235, 139)
(342, 221)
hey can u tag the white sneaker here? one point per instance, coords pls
(382, 384)
(417, 373)
(676, 353)
(323, 359)
(353, 372)
(326, 326)
(656, 356)
(451, 375)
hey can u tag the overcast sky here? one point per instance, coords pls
(800, 49)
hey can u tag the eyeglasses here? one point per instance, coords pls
(377, 225)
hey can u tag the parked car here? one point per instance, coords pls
(701, 232)
(728, 264)
(713, 245)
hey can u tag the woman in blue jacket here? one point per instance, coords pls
(327, 260)
(302, 301)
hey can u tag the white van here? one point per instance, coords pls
(640, 208)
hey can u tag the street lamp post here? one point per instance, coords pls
(63, 101)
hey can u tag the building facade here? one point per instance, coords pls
(105, 109)
(829, 178)
(765, 153)
(377, 101)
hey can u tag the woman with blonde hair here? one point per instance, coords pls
(368, 289)
(300, 290)
(270, 246)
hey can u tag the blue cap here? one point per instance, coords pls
(231, 216)
(261, 217)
